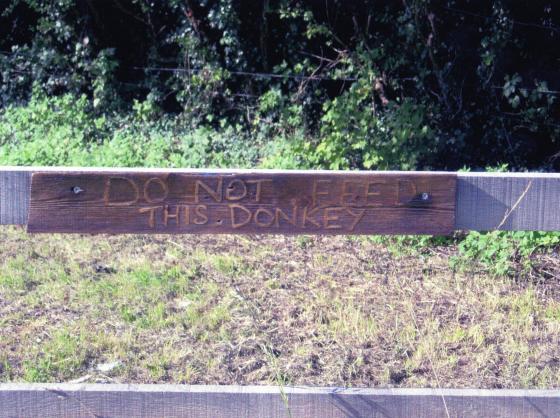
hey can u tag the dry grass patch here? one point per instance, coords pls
(269, 309)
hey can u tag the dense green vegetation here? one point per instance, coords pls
(363, 84)
(60, 130)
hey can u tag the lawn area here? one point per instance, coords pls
(349, 311)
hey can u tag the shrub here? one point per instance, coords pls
(500, 251)
(416, 84)
(49, 131)
(355, 136)
(63, 131)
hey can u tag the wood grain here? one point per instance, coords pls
(510, 202)
(97, 400)
(484, 200)
(242, 202)
(15, 187)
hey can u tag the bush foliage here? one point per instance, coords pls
(418, 84)
(63, 131)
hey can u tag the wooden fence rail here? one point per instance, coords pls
(113, 400)
(91, 200)
(272, 201)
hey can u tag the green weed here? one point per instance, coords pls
(60, 358)
(501, 252)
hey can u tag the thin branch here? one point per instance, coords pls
(515, 205)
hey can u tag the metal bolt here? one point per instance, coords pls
(425, 196)
(77, 190)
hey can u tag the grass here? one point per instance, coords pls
(267, 309)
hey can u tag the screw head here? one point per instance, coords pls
(77, 190)
(425, 196)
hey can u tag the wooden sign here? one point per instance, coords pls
(242, 202)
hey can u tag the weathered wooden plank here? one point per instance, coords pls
(484, 200)
(56, 400)
(505, 201)
(243, 202)
(15, 186)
